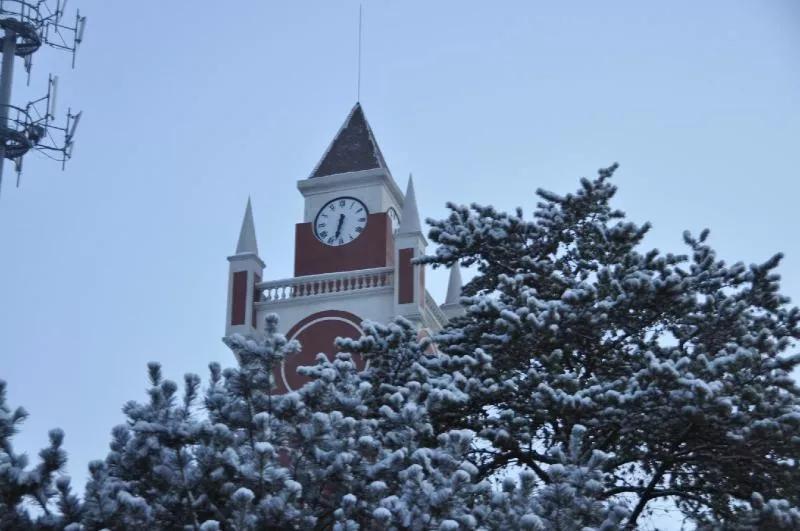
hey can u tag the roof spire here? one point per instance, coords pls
(353, 149)
(454, 285)
(247, 235)
(409, 219)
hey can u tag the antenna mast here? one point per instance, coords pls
(358, 90)
(26, 25)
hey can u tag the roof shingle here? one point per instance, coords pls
(353, 149)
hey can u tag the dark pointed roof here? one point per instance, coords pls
(353, 149)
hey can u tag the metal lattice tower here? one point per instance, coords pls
(27, 25)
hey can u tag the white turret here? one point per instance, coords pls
(247, 234)
(244, 272)
(410, 243)
(409, 219)
(452, 305)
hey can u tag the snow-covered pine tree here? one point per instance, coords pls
(150, 478)
(244, 453)
(173, 467)
(759, 515)
(40, 486)
(572, 498)
(569, 501)
(363, 447)
(678, 366)
(586, 373)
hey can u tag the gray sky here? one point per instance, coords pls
(191, 106)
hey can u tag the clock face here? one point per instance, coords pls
(340, 221)
(394, 218)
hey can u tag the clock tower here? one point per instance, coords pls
(353, 257)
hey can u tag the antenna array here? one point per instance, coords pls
(27, 25)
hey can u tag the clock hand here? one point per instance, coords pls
(339, 226)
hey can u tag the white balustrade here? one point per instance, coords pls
(326, 283)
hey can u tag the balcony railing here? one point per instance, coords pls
(327, 283)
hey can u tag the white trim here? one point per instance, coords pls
(341, 181)
(323, 276)
(307, 299)
(242, 257)
(359, 281)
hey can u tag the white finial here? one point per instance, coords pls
(247, 236)
(409, 219)
(454, 285)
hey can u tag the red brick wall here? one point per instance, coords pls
(256, 296)
(239, 296)
(317, 333)
(371, 249)
(405, 292)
